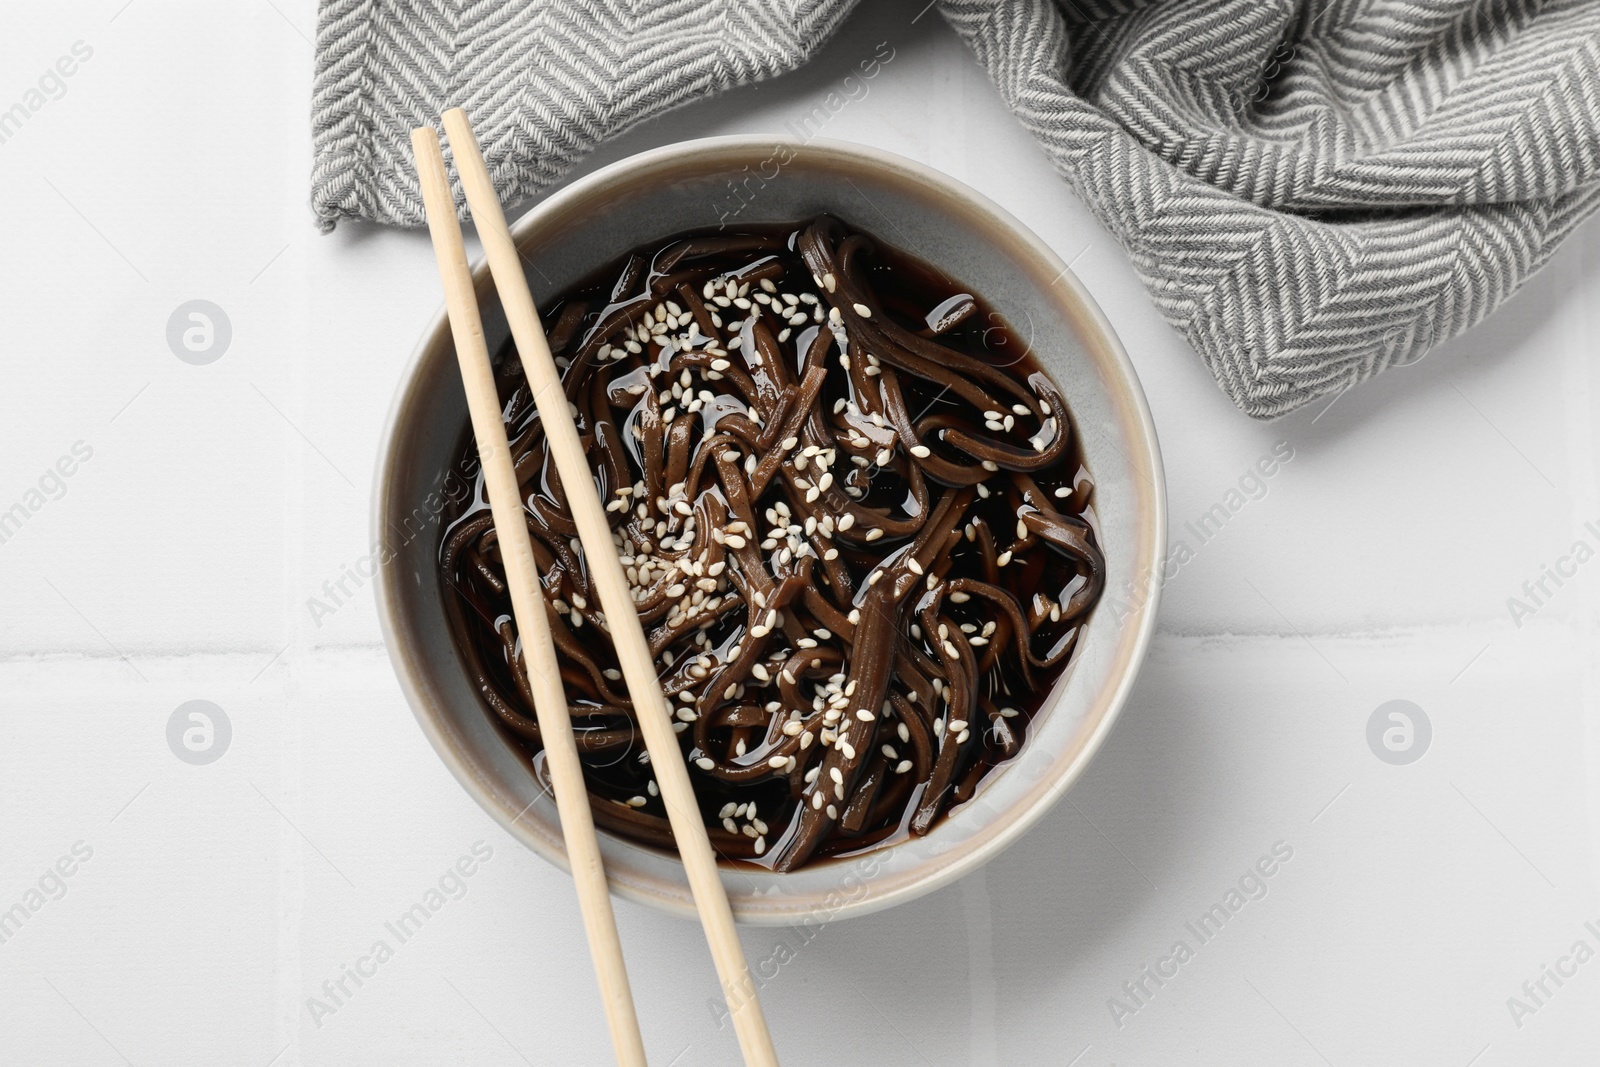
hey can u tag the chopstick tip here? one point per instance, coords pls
(424, 138)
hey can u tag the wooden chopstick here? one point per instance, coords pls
(527, 602)
(627, 633)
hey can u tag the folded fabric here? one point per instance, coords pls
(1312, 191)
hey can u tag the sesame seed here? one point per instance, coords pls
(705, 763)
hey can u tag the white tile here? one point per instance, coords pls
(175, 564)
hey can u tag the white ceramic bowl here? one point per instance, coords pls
(737, 180)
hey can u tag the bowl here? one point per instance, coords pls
(734, 181)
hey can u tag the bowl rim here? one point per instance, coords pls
(1026, 812)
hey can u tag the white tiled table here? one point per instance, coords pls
(176, 563)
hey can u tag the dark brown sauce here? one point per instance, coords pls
(798, 664)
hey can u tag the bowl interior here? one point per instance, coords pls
(733, 181)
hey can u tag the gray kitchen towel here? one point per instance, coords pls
(1312, 190)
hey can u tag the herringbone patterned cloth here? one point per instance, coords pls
(1312, 190)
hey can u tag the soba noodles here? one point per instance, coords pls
(856, 522)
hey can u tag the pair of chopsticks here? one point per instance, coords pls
(528, 603)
